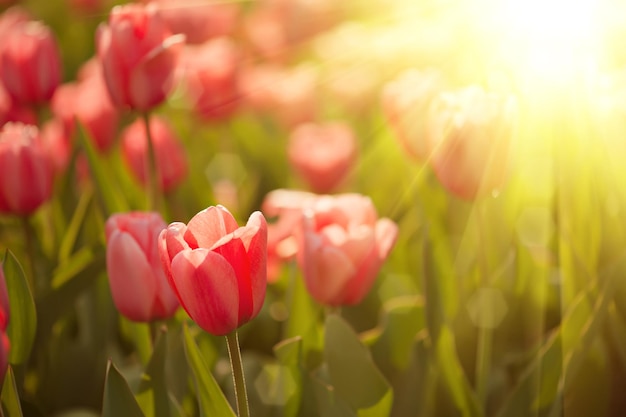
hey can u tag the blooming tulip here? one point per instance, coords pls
(25, 170)
(406, 101)
(471, 134)
(342, 246)
(138, 284)
(217, 269)
(211, 77)
(322, 153)
(30, 63)
(170, 156)
(139, 56)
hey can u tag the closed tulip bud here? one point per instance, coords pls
(139, 56)
(25, 170)
(471, 133)
(171, 162)
(217, 268)
(322, 153)
(30, 64)
(138, 284)
(342, 246)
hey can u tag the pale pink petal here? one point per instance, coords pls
(207, 287)
(386, 235)
(209, 226)
(254, 238)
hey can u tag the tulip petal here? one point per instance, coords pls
(209, 226)
(386, 235)
(254, 238)
(133, 287)
(171, 241)
(207, 287)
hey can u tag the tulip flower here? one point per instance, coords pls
(30, 63)
(322, 153)
(138, 284)
(170, 155)
(25, 170)
(139, 56)
(406, 101)
(471, 133)
(211, 78)
(217, 269)
(342, 245)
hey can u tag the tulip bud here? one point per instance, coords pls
(171, 162)
(25, 170)
(138, 284)
(322, 153)
(217, 269)
(139, 56)
(30, 63)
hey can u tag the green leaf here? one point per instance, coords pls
(118, 398)
(352, 371)
(23, 318)
(105, 188)
(289, 355)
(11, 406)
(71, 232)
(152, 395)
(211, 399)
(328, 402)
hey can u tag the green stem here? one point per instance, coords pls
(232, 340)
(153, 178)
(29, 240)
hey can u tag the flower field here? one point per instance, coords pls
(304, 208)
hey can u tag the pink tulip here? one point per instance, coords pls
(211, 76)
(342, 247)
(171, 162)
(57, 143)
(322, 153)
(139, 56)
(471, 133)
(25, 170)
(199, 20)
(30, 64)
(217, 268)
(406, 101)
(138, 284)
(10, 111)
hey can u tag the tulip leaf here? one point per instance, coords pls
(106, 191)
(11, 406)
(23, 317)
(352, 371)
(328, 402)
(70, 233)
(289, 355)
(211, 399)
(118, 398)
(152, 395)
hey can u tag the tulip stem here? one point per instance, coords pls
(152, 177)
(232, 340)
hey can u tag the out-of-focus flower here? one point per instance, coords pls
(287, 207)
(342, 245)
(30, 64)
(88, 101)
(11, 18)
(138, 284)
(471, 133)
(57, 143)
(4, 322)
(217, 268)
(25, 170)
(171, 163)
(322, 153)
(406, 101)
(288, 94)
(199, 20)
(211, 78)
(139, 56)
(10, 111)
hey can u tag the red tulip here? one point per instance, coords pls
(171, 162)
(342, 247)
(139, 56)
(211, 77)
(25, 170)
(406, 101)
(138, 284)
(471, 135)
(30, 64)
(322, 153)
(217, 269)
